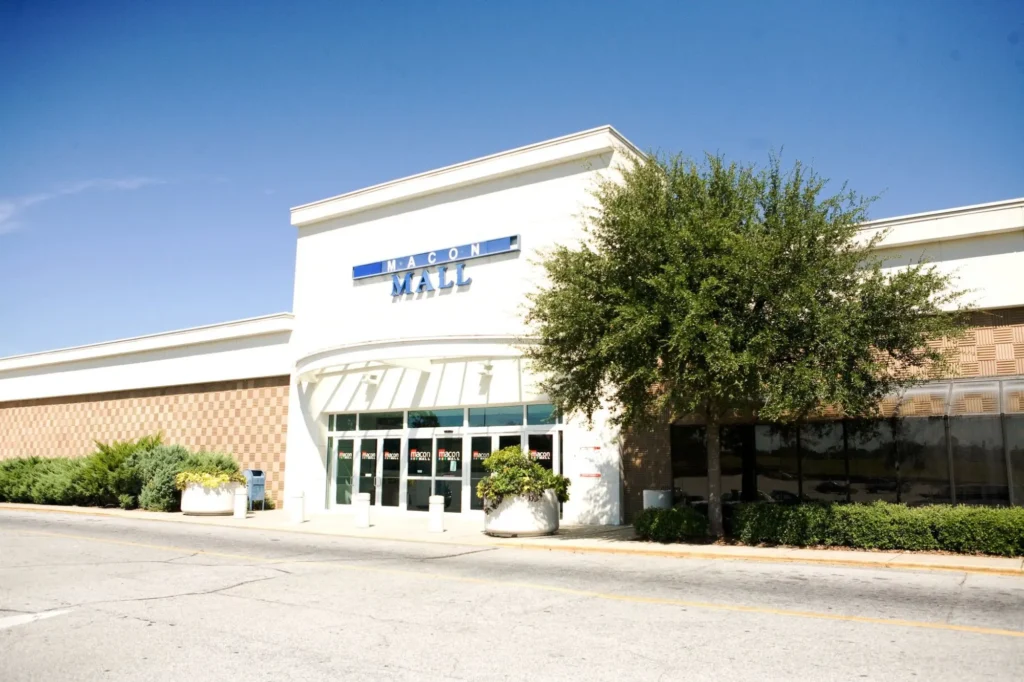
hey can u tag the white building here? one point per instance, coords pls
(400, 365)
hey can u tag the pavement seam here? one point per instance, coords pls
(895, 562)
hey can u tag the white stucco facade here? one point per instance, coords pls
(359, 348)
(981, 246)
(352, 347)
(243, 349)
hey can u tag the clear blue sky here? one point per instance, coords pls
(150, 151)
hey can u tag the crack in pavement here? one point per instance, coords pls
(957, 597)
(199, 593)
(458, 554)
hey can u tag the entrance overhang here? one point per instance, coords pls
(422, 354)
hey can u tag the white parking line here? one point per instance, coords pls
(12, 621)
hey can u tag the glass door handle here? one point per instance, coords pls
(376, 481)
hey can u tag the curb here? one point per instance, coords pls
(893, 563)
(683, 554)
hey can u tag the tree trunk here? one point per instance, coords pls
(714, 477)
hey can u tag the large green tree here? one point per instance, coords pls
(722, 289)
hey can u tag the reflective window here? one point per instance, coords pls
(542, 449)
(420, 456)
(418, 493)
(872, 455)
(689, 464)
(1015, 446)
(369, 421)
(979, 464)
(448, 457)
(341, 422)
(509, 440)
(739, 483)
(451, 490)
(435, 418)
(823, 462)
(496, 416)
(541, 414)
(778, 472)
(923, 461)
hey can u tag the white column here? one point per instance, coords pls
(436, 513)
(361, 509)
(241, 501)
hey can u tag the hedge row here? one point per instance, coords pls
(682, 524)
(128, 474)
(881, 525)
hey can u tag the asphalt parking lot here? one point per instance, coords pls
(86, 598)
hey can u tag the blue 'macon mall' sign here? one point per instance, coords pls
(438, 257)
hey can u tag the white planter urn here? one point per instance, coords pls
(519, 516)
(199, 501)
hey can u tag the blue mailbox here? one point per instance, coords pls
(256, 484)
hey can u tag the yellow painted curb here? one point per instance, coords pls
(573, 549)
(1013, 572)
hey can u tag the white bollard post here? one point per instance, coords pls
(436, 513)
(361, 508)
(296, 506)
(241, 502)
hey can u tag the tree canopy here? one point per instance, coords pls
(713, 288)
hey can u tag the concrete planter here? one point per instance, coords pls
(520, 517)
(199, 501)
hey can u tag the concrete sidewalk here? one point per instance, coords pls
(581, 539)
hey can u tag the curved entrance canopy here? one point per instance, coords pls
(419, 354)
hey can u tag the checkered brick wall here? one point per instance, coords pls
(247, 418)
(994, 346)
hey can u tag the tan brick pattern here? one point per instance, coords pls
(247, 418)
(994, 346)
(646, 465)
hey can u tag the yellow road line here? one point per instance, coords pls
(607, 596)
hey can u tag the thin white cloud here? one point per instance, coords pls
(12, 207)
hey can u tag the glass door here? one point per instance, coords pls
(480, 449)
(390, 467)
(344, 473)
(448, 472)
(419, 457)
(541, 449)
(368, 451)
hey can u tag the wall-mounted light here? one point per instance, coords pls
(371, 379)
(486, 369)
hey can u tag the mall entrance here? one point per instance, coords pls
(402, 458)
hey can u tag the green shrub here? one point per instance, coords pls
(16, 476)
(42, 480)
(129, 474)
(55, 481)
(152, 475)
(512, 473)
(104, 477)
(971, 530)
(212, 463)
(671, 525)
